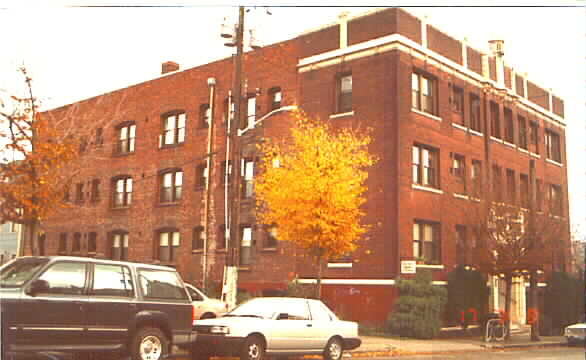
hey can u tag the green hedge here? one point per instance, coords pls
(467, 290)
(417, 312)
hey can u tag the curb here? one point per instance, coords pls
(526, 345)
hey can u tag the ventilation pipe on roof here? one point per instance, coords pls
(169, 66)
(497, 49)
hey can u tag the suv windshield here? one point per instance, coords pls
(16, 273)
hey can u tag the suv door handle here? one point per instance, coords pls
(309, 325)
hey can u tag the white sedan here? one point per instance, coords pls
(276, 327)
(576, 333)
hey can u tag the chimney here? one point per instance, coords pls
(497, 49)
(169, 66)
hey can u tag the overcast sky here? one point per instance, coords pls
(74, 53)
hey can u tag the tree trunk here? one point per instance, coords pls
(534, 306)
(508, 293)
(319, 275)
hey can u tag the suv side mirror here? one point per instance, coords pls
(38, 286)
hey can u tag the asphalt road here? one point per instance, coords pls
(550, 353)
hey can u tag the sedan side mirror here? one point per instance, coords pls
(38, 286)
(283, 316)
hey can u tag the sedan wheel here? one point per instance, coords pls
(254, 349)
(333, 350)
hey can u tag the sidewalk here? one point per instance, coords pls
(396, 346)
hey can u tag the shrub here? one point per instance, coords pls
(417, 312)
(295, 289)
(467, 290)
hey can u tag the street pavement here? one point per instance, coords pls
(549, 353)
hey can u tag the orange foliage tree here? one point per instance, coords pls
(311, 187)
(45, 152)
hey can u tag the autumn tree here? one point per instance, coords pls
(46, 150)
(311, 187)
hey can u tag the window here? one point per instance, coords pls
(126, 139)
(223, 171)
(65, 278)
(247, 178)
(171, 183)
(119, 246)
(476, 177)
(92, 242)
(95, 194)
(159, 284)
(275, 98)
(83, 144)
(250, 112)
(245, 245)
(425, 166)
(524, 191)
(497, 188)
(511, 186)
(197, 242)
(495, 121)
(539, 195)
(112, 280)
(221, 237)
(426, 242)
(461, 244)
(76, 247)
(457, 101)
(555, 199)
(475, 113)
(169, 241)
(552, 146)
(173, 129)
(522, 132)
(66, 195)
(509, 131)
(271, 237)
(62, 243)
(205, 114)
(423, 93)
(534, 136)
(458, 167)
(201, 175)
(79, 192)
(344, 93)
(122, 192)
(228, 109)
(99, 139)
(41, 240)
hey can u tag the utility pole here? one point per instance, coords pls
(231, 271)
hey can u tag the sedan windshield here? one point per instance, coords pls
(255, 308)
(16, 273)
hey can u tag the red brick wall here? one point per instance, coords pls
(444, 44)
(474, 60)
(537, 95)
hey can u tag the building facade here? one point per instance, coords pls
(451, 123)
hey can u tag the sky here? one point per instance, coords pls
(73, 53)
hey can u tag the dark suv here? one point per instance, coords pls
(53, 305)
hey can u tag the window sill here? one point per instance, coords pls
(344, 114)
(170, 146)
(269, 250)
(475, 199)
(523, 150)
(340, 265)
(431, 116)
(510, 144)
(477, 133)
(429, 266)
(461, 196)
(537, 156)
(166, 204)
(197, 251)
(425, 188)
(461, 127)
(553, 162)
(244, 268)
(120, 208)
(496, 139)
(123, 154)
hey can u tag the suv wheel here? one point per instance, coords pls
(149, 344)
(254, 349)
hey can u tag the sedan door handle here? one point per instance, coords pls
(309, 325)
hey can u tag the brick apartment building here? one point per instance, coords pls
(445, 117)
